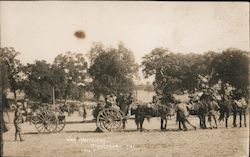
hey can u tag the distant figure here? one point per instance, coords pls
(18, 120)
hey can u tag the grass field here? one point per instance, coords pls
(80, 140)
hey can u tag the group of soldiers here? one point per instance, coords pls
(208, 96)
(115, 101)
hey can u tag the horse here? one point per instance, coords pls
(124, 103)
(197, 108)
(182, 109)
(228, 106)
(205, 106)
(233, 105)
(148, 110)
(167, 102)
(241, 108)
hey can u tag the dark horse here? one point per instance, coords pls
(124, 102)
(205, 106)
(241, 108)
(148, 110)
(197, 108)
(233, 105)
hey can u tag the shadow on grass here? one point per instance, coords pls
(30, 133)
(121, 131)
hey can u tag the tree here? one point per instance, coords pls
(74, 66)
(112, 69)
(176, 71)
(11, 69)
(38, 85)
(232, 66)
(149, 87)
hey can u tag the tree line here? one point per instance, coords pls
(108, 70)
(179, 71)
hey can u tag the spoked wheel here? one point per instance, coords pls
(110, 119)
(61, 122)
(46, 122)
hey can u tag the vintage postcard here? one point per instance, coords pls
(124, 78)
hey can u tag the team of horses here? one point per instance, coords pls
(205, 108)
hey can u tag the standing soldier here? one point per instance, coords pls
(18, 120)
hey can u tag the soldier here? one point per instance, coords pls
(108, 100)
(227, 91)
(111, 101)
(193, 98)
(182, 114)
(18, 120)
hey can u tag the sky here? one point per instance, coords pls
(44, 29)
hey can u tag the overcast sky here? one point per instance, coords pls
(42, 30)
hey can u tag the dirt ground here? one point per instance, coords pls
(80, 140)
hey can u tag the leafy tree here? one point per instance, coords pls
(11, 70)
(112, 69)
(38, 85)
(232, 66)
(176, 71)
(58, 81)
(74, 66)
(149, 87)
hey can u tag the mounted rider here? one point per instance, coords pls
(207, 96)
(227, 97)
(239, 99)
(193, 98)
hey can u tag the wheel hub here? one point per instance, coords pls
(110, 120)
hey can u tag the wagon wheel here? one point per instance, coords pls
(46, 122)
(61, 119)
(61, 122)
(110, 119)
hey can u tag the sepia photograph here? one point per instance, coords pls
(124, 79)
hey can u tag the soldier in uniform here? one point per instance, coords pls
(18, 120)
(111, 101)
(227, 92)
(107, 101)
(182, 114)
